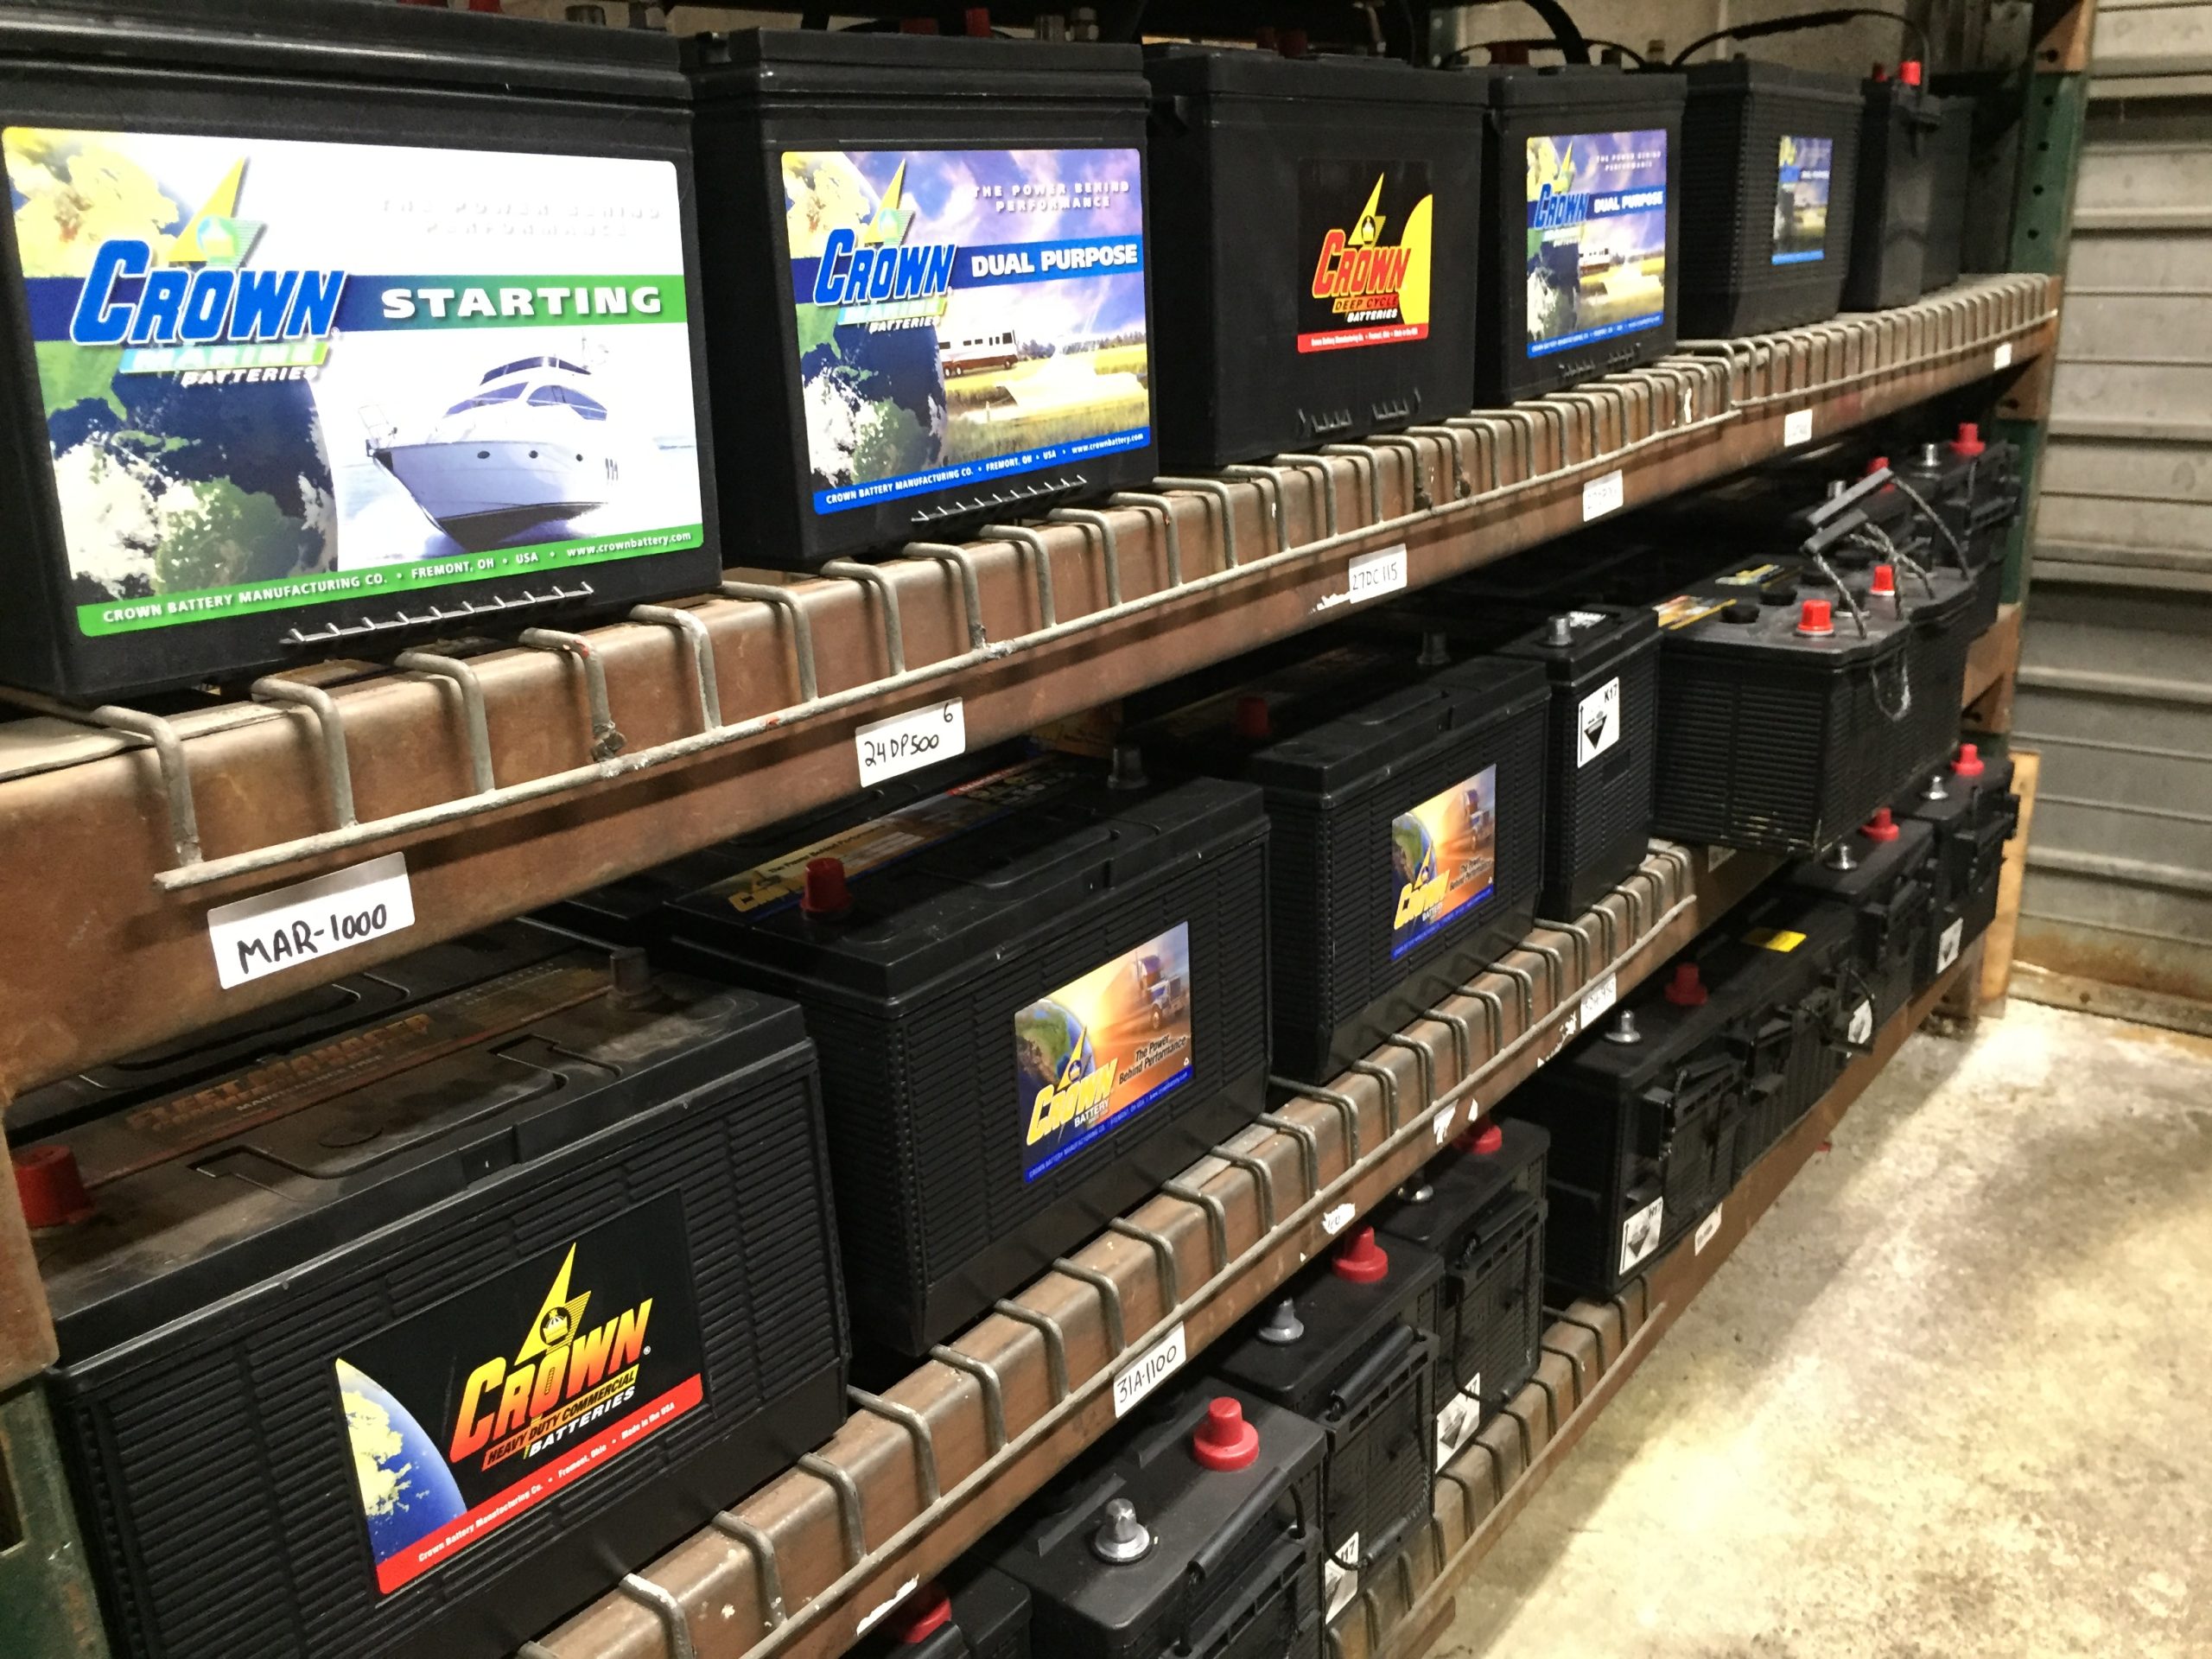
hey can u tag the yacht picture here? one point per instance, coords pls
(523, 452)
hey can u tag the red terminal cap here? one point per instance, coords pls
(1968, 765)
(1881, 827)
(921, 1615)
(1908, 72)
(51, 1187)
(1363, 1260)
(1686, 989)
(1968, 443)
(1816, 618)
(1225, 1441)
(976, 22)
(1879, 463)
(1486, 1141)
(826, 893)
(1884, 584)
(1252, 721)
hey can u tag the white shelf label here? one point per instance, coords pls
(920, 737)
(1374, 575)
(297, 924)
(1149, 1370)
(2004, 358)
(1599, 998)
(1334, 1219)
(1796, 427)
(1603, 495)
(1705, 1230)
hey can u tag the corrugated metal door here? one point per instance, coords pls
(2115, 685)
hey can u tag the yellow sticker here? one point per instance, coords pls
(1774, 938)
(1685, 609)
(1744, 578)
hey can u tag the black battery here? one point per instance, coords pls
(1972, 488)
(1581, 220)
(1903, 143)
(1969, 806)
(1954, 178)
(1480, 1207)
(414, 1334)
(1769, 157)
(1038, 995)
(1881, 871)
(928, 261)
(1407, 831)
(974, 1611)
(237, 442)
(1351, 1345)
(1195, 1530)
(1323, 216)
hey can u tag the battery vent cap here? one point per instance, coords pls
(1884, 582)
(1816, 618)
(1253, 722)
(1224, 1440)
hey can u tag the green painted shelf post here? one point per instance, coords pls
(47, 1599)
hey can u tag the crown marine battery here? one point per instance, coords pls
(281, 396)
(1038, 995)
(1195, 1533)
(1351, 1344)
(415, 1334)
(1323, 215)
(928, 265)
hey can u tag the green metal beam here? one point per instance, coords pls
(47, 1601)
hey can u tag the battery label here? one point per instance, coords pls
(1597, 723)
(1367, 229)
(1597, 236)
(1800, 200)
(466, 1416)
(965, 314)
(1091, 1055)
(1443, 859)
(277, 373)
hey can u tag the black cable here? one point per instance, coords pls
(1803, 20)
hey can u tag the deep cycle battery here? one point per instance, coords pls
(285, 386)
(974, 1611)
(1904, 143)
(1038, 995)
(1325, 215)
(928, 264)
(1970, 807)
(414, 1333)
(1407, 832)
(1351, 1345)
(1580, 228)
(1195, 1531)
(1479, 1206)
(1769, 156)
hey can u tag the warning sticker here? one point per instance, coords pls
(1598, 723)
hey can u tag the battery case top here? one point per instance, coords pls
(1349, 1326)
(1442, 1208)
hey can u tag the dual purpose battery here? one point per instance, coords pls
(334, 325)
(1322, 219)
(1038, 995)
(930, 264)
(408, 1314)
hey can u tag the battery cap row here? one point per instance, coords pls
(51, 1186)
(1225, 1441)
(1883, 826)
(1363, 1260)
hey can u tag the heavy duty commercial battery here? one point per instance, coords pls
(1479, 1206)
(1037, 995)
(1770, 154)
(927, 263)
(1904, 141)
(413, 1334)
(267, 403)
(1195, 1531)
(1580, 227)
(1351, 1344)
(1323, 218)
(1881, 871)
(1407, 834)
(1970, 807)
(974, 1611)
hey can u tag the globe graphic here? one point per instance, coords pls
(407, 1491)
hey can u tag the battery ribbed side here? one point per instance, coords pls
(1599, 815)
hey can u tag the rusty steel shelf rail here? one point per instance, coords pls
(919, 1472)
(1589, 1353)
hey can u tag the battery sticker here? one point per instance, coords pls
(466, 1416)
(1781, 940)
(1800, 200)
(1091, 1055)
(1685, 608)
(1457, 1419)
(1947, 943)
(965, 315)
(1340, 1576)
(1597, 236)
(1749, 576)
(1597, 723)
(1443, 858)
(1640, 1233)
(277, 373)
(1367, 226)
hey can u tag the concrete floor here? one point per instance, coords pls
(1952, 1398)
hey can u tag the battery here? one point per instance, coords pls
(1407, 831)
(975, 1612)
(1579, 224)
(413, 1334)
(1969, 806)
(1788, 971)
(1480, 1207)
(1953, 177)
(1351, 1345)
(1323, 212)
(1904, 142)
(1195, 1531)
(1038, 995)
(237, 443)
(927, 260)
(1881, 871)
(1973, 488)
(1769, 156)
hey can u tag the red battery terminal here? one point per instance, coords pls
(1686, 989)
(1884, 584)
(51, 1188)
(921, 1615)
(1881, 827)
(1969, 763)
(1968, 443)
(1816, 618)
(1485, 1141)
(826, 893)
(1363, 1260)
(1224, 1440)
